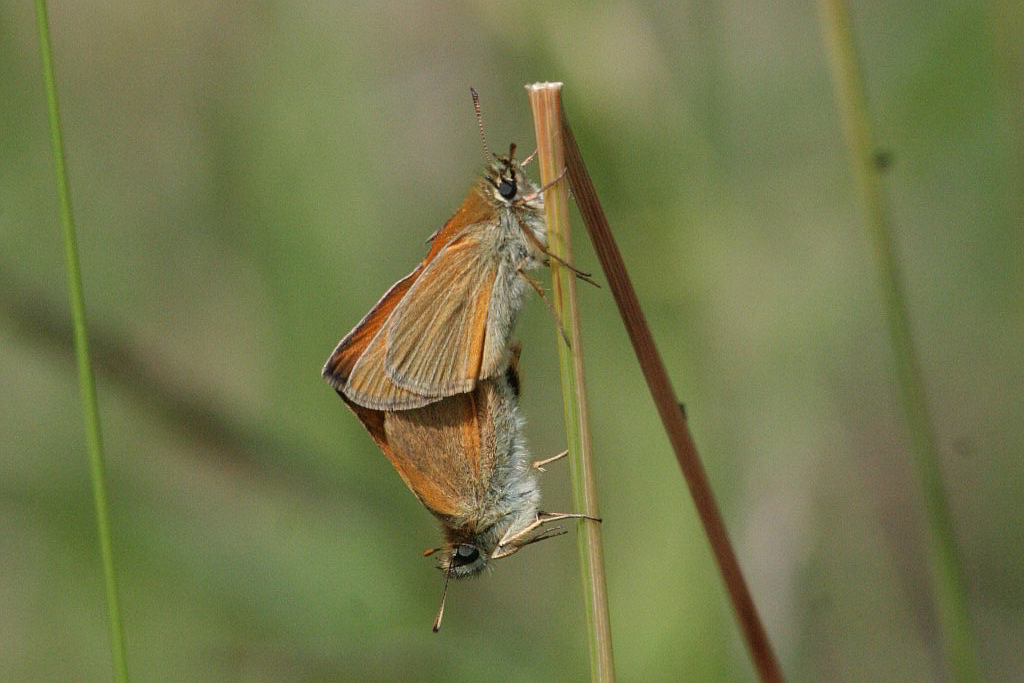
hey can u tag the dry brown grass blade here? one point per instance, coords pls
(672, 416)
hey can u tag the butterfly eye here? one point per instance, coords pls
(507, 188)
(465, 554)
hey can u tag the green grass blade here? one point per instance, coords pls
(947, 575)
(85, 375)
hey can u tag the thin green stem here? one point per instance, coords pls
(86, 382)
(946, 572)
(546, 101)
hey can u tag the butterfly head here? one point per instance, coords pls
(467, 552)
(508, 184)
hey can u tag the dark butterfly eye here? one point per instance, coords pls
(507, 188)
(465, 554)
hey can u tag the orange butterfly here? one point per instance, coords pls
(465, 459)
(447, 325)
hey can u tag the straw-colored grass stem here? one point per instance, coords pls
(545, 99)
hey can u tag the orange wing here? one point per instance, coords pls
(436, 335)
(339, 366)
(436, 449)
(432, 342)
(474, 209)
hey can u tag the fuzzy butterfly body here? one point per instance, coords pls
(465, 459)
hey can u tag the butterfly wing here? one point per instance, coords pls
(350, 349)
(432, 343)
(346, 355)
(436, 450)
(449, 306)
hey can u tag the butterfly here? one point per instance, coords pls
(448, 324)
(465, 459)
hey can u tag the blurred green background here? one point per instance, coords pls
(248, 178)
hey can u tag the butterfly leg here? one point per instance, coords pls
(544, 250)
(580, 275)
(539, 464)
(565, 170)
(540, 291)
(525, 536)
(533, 195)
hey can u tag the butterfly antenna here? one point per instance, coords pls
(444, 594)
(480, 121)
